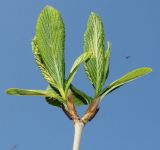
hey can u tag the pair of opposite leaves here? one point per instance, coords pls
(48, 50)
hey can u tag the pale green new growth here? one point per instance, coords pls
(106, 63)
(125, 79)
(45, 93)
(50, 39)
(94, 42)
(82, 58)
(41, 64)
(21, 92)
(48, 51)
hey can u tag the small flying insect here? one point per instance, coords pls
(127, 57)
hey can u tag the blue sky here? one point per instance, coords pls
(128, 118)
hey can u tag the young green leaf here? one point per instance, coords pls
(81, 96)
(26, 92)
(94, 42)
(54, 102)
(41, 64)
(125, 79)
(106, 63)
(82, 58)
(50, 39)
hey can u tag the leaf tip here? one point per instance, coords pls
(150, 69)
(109, 44)
(147, 69)
(48, 7)
(94, 15)
(10, 91)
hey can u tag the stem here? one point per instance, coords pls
(78, 127)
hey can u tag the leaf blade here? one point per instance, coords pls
(94, 42)
(50, 38)
(28, 92)
(106, 63)
(81, 96)
(125, 79)
(82, 58)
(40, 63)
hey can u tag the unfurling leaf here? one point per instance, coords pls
(50, 39)
(81, 96)
(94, 42)
(41, 64)
(82, 58)
(53, 102)
(106, 63)
(27, 92)
(125, 79)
